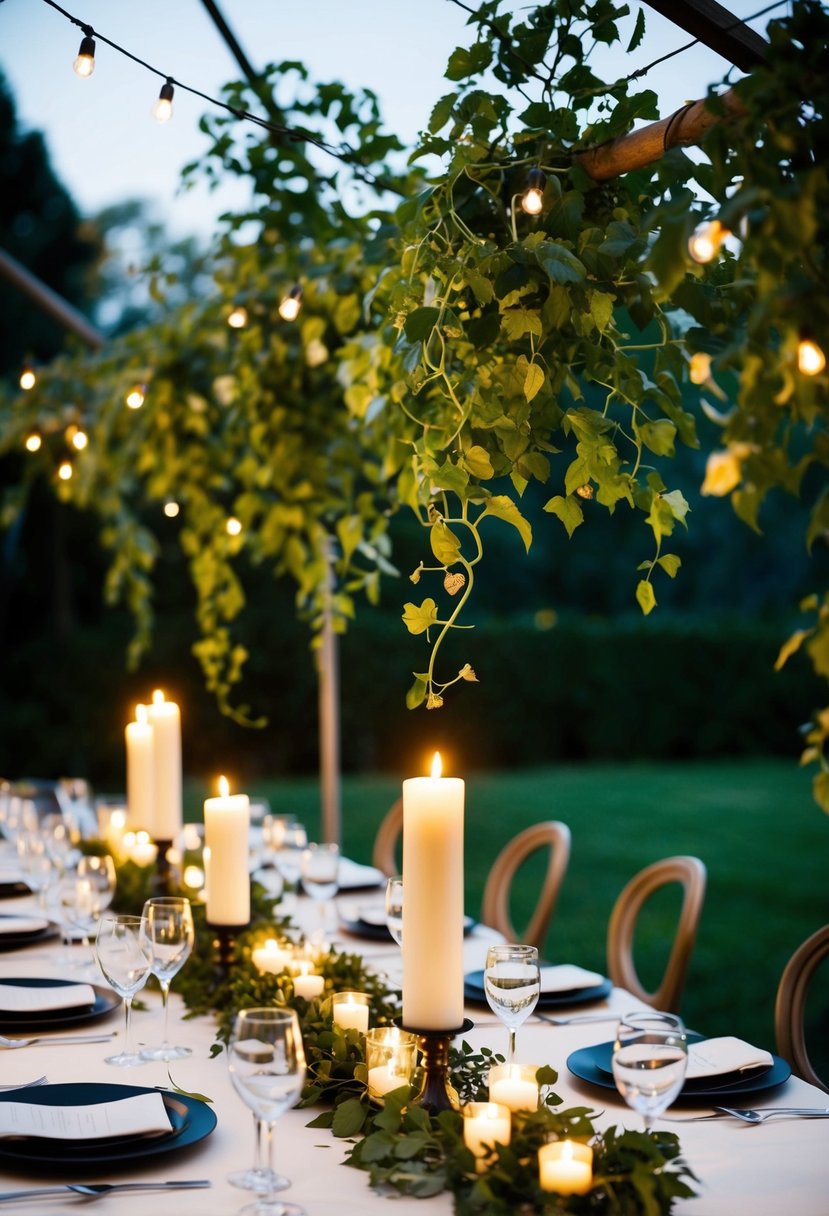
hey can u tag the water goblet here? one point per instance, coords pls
(86, 896)
(124, 958)
(170, 935)
(394, 909)
(512, 983)
(650, 1058)
(288, 859)
(266, 1060)
(320, 870)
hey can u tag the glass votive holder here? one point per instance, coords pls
(271, 957)
(307, 982)
(485, 1124)
(514, 1086)
(349, 1010)
(565, 1167)
(390, 1059)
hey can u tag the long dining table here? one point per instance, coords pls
(780, 1166)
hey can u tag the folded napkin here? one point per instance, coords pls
(352, 874)
(22, 924)
(141, 1115)
(372, 916)
(18, 998)
(566, 976)
(713, 1057)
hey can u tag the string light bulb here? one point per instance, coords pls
(28, 379)
(135, 397)
(171, 509)
(811, 360)
(704, 242)
(65, 470)
(84, 64)
(291, 304)
(238, 318)
(33, 442)
(233, 526)
(162, 111)
(78, 438)
(532, 200)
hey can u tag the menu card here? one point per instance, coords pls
(18, 998)
(713, 1057)
(566, 976)
(140, 1115)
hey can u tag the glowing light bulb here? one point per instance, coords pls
(699, 367)
(532, 200)
(80, 440)
(810, 358)
(291, 304)
(171, 509)
(135, 397)
(84, 64)
(704, 243)
(238, 318)
(162, 111)
(33, 442)
(65, 470)
(28, 379)
(233, 526)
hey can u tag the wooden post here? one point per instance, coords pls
(328, 672)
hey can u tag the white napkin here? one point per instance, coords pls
(140, 1115)
(22, 924)
(352, 874)
(373, 915)
(17, 998)
(566, 976)
(712, 1057)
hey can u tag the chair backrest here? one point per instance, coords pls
(790, 1006)
(384, 853)
(495, 908)
(691, 874)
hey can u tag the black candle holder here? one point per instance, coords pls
(436, 1092)
(224, 945)
(162, 883)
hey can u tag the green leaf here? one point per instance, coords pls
(441, 112)
(568, 511)
(464, 63)
(645, 596)
(445, 544)
(533, 381)
(638, 32)
(417, 693)
(520, 321)
(477, 462)
(678, 504)
(504, 508)
(658, 437)
(419, 617)
(561, 265)
(601, 308)
(420, 323)
(349, 1117)
(670, 563)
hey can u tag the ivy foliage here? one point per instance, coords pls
(452, 348)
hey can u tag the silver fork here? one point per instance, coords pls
(26, 1084)
(755, 1116)
(12, 1044)
(577, 1017)
(94, 1190)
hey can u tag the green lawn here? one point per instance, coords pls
(753, 823)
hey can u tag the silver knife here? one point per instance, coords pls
(103, 1188)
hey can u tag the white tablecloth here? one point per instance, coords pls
(782, 1166)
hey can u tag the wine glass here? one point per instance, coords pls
(87, 894)
(266, 1060)
(512, 983)
(650, 1058)
(320, 870)
(124, 957)
(394, 909)
(170, 935)
(288, 859)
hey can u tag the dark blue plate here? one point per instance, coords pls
(379, 933)
(25, 937)
(191, 1119)
(474, 993)
(592, 1064)
(56, 1019)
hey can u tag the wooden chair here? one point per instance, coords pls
(384, 853)
(790, 1005)
(495, 909)
(691, 874)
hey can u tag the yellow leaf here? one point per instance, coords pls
(791, 646)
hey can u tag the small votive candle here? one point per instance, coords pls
(514, 1086)
(270, 957)
(307, 983)
(350, 1010)
(139, 848)
(390, 1059)
(485, 1124)
(565, 1167)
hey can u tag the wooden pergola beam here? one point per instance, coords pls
(716, 27)
(649, 144)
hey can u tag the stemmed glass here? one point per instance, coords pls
(169, 934)
(320, 870)
(124, 957)
(650, 1058)
(512, 983)
(394, 909)
(266, 1060)
(288, 859)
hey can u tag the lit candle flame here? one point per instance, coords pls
(224, 787)
(158, 697)
(437, 766)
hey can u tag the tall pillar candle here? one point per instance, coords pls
(433, 811)
(226, 829)
(140, 772)
(165, 718)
